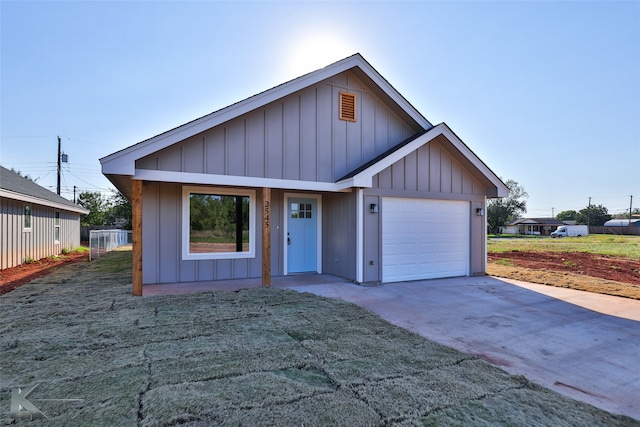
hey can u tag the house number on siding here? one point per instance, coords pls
(266, 213)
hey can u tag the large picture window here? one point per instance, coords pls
(218, 223)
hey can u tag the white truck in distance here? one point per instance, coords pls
(571, 231)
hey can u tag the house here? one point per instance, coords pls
(535, 226)
(34, 222)
(334, 172)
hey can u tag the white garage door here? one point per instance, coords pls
(424, 239)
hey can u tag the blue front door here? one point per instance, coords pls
(302, 243)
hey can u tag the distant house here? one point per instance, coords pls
(334, 172)
(622, 222)
(34, 222)
(533, 226)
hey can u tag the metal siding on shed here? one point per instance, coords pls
(18, 245)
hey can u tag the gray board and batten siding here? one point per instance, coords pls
(299, 138)
(20, 244)
(341, 138)
(38, 240)
(294, 138)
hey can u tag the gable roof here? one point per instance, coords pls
(119, 167)
(363, 176)
(123, 162)
(16, 187)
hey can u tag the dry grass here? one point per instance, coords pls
(604, 244)
(565, 280)
(255, 357)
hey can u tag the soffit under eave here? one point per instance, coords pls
(122, 184)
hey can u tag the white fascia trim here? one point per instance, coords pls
(365, 178)
(393, 93)
(360, 236)
(503, 191)
(37, 201)
(235, 181)
(123, 161)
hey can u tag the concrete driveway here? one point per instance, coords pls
(588, 355)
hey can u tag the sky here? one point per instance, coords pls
(545, 93)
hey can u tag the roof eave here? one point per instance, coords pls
(364, 179)
(38, 201)
(123, 162)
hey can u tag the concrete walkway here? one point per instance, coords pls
(583, 345)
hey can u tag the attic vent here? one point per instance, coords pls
(348, 106)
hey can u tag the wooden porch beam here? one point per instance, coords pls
(266, 237)
(136, 220)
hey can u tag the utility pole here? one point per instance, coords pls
(74, 194)
(589, 213)
(59, 165)
(630, 209)
(552, 212)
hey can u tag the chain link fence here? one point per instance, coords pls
(103, 241)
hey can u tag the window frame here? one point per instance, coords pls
(27, 217)
(187, 190)
(56, 227)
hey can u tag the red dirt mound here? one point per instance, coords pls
(602, 266)
(12, 278)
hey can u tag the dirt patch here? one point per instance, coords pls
(605, 267)
(14, 277)
(566, 280)
(574, 270)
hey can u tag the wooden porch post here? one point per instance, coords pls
(136, 219)
(266, 237)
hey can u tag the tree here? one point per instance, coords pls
(24, 176)
(502, 211)
(593, 215)
(119, 211)
(567, 215)
(96, 204)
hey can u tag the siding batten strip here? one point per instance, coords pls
(136, 216)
